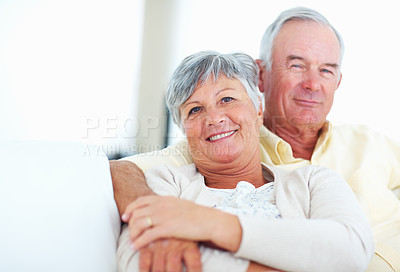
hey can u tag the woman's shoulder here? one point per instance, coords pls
(307, 175)
(303, 170)
(173, 180)
(170, 170)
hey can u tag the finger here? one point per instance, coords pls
(148, 236)
(192, 259)
(143, 201)
(139, 214)
(127, 214)
(158, 261)
(137, 226)
(145, 257)
(174, 261)
(138, 203)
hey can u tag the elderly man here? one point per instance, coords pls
(300, 71)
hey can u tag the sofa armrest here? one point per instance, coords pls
(57, 208)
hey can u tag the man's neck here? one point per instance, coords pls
(302, 141)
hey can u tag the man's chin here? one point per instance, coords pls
(311, 125)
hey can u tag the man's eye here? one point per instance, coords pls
(194, 110)
(326, 71)
(227, 99)
(296, 66)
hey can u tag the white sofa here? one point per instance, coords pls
(57, 208)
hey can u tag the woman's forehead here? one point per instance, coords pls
(223, 83)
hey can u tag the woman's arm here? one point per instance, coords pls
(156, 217)
(322, 225)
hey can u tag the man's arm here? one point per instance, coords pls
(256, 267)
(128, 182)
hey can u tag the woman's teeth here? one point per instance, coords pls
(220, 136)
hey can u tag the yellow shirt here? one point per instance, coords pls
(368, 161)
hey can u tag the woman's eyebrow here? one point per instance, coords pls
(196, 101)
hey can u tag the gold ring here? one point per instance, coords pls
(149, 221)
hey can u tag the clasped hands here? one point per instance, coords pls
(165, 230)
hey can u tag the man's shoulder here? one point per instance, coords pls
(353, 131)
(352, 127)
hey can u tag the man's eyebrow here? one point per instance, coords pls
(333, 65)
(295, 57)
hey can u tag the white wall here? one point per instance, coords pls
(69, 70)
(368, 92)
(69, 66)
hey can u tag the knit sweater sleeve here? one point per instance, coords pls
(181, 182)
(322, 226)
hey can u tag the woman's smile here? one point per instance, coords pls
(220, 136)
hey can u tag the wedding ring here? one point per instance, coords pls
(149, 221)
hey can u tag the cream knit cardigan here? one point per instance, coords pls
(322, 226)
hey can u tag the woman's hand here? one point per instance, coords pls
(155, 217)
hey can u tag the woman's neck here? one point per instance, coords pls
(227, 175)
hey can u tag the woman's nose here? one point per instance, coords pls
(215, 117)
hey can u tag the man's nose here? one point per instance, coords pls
(312, 81)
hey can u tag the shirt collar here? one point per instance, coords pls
(281, 152)
(324, 136)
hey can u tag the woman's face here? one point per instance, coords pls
(221, 123)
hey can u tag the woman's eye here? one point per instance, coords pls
(194, 110)
(227, 99)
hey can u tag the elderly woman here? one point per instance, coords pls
(241, 211)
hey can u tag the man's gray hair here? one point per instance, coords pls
(300, 14)
(196, 69)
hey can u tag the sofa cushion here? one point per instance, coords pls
(57, 208)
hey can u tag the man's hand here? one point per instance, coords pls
(128, 182)
(170, 255)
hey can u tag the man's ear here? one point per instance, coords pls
(260, 114)
(261, 69)
(340, 80)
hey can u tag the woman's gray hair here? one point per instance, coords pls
(300, 14)
(196, 69)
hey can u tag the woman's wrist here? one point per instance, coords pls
(227, 231)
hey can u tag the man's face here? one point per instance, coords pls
(304, 76)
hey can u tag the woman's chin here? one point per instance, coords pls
(225, 158)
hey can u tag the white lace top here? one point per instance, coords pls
(247, 200)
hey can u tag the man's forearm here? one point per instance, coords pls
(256, 267)
(128, 182)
